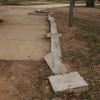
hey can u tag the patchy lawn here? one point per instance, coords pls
(81, 47)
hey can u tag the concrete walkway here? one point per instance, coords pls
(48, 6)
(21, 35)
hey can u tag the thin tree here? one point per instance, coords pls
(90, 3)
(71, 13)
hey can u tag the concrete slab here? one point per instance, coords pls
(54, 35)
(55, 64)
(50, 61)
(55, 47)
(21, 35)
(55, 42)
(53, 25)
(71, 82)
(57, 98)
(53, 59)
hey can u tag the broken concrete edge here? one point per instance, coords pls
(56, 68)
(54, 35)
(69, 82)
(75, 90)
(56, 49)
(53, 58)
(42, 10)
(50, 18)
(55, 42)
(54, 29)
(76, 84)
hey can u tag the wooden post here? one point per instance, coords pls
(71, 13)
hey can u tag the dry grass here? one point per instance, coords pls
(81, 48)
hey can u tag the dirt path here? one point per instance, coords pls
(24, 80)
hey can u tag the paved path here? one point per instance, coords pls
(48, 6)
(21, 35)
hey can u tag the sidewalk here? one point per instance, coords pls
(21, 35)
(48, 6)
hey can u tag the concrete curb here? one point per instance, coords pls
(53, 59)
(61, 81)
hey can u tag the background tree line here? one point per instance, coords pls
(8, 2)
(89, 3)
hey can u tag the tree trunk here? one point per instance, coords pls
(90, 3)
(71, 13)
(73, 2)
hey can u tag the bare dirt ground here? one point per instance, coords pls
(24, 80)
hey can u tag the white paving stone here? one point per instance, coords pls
(53, 59)
(55, 64)
(71, 82)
